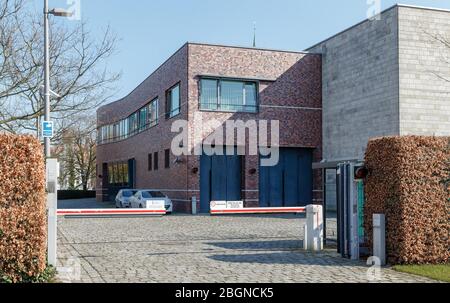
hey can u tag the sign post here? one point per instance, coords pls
(52, 207)
(47, 129)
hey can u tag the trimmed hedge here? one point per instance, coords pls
(23, 232)
(407, 182)
(76, 194)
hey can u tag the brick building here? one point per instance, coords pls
(222, 83)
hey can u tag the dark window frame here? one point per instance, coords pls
(150, 162)
(167, 159)
(169, 111)
(219, 81)
(155, 161)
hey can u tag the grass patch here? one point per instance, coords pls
(436, 272)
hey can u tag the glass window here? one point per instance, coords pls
(173, 102)
(157, 194)
(133, 123)
(110, 174)
(228, 95)
(126, 180)
(150, 162)
(153, 109)
(209, 94)
(231, 95)
(128, 193)
(167, 158)
(116, 179)
(116, 131)
(146, 195)
(143, 118)
(250, 97)
(138, 121)
(155, 161)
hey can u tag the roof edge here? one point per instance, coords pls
(253, 48)
(382, 12)
(158, 68)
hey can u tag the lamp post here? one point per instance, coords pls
(58, 12)
(51, 164)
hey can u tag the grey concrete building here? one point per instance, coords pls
(385, 77)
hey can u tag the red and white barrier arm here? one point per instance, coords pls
(259, 210)
(109, 212)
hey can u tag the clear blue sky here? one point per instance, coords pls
(151, 30)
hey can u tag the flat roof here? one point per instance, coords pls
(253, 48)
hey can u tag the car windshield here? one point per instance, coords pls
(146, 194)
(157, 194)
(128, 193)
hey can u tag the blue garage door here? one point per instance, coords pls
(289, 183)
(220, 179)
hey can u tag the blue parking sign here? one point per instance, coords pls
(47, 129)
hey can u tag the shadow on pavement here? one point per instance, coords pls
(299, 258)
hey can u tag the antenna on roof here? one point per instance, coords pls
(254, 34)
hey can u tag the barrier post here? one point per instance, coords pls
(379, 238)
(194, 205)
(314, 228)
(52, 175)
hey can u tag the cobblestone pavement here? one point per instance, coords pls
(177, 249)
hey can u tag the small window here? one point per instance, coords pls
(153, 114)
(167, 159)
(155, 161)
(150, 163)
(173, 102)
(143, 118)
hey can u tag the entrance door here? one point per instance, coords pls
(289, 183)
(220, 179)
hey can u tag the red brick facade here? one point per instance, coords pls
(289, 91)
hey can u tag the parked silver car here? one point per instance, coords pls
(140, 198)
(123, 198)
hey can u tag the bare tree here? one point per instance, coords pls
(76, 152)
(79, 72)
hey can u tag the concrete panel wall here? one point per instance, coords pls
(424, 66)
(360, 86)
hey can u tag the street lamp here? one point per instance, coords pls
(51, 165)
(58, 12)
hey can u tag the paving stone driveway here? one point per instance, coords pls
(176, 249)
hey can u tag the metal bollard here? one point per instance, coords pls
(314, 228)
(379, 238)
(194, 205)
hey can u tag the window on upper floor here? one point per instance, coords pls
(153, 113)
(133, 123)
(143, 118)
(173, 102)
(228, 95)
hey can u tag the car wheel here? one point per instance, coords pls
(141, 206)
